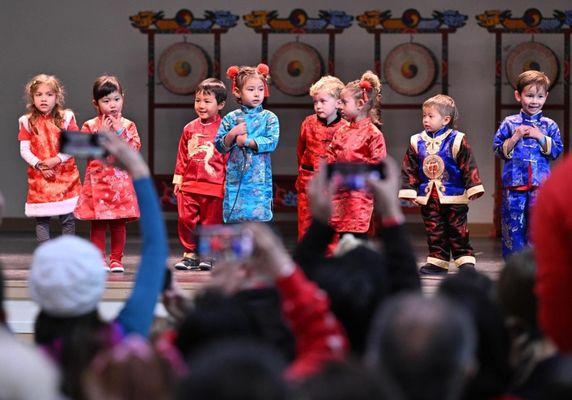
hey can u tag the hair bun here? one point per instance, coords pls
(262, 69)
(232, 71)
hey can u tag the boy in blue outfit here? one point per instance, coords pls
(527, 142)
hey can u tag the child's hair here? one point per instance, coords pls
(213, 86)
(239, 76)
(105, 85)
(329, 84)
(532, 77)
(56, 86)
(445, 105)
(368, 89)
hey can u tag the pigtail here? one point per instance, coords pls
(370, 85)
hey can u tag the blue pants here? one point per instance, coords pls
(515, 216)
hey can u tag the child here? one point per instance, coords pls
(199, 171)
(359, 141)
(316, 134)
(527, 142)
(440, 173)
(107, 197)
(249, 134)
(53, 177)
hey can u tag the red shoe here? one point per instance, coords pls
(116, 266)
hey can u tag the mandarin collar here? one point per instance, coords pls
(437, 133)
(533, 119)
(215, 119)
(361, 123)
(251, 110)
(335, 121)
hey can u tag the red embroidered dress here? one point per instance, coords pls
(49, 197)
(361, 142)
(107, 191)
(313, 142)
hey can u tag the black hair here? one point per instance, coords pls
(105, 85)
(213, 86)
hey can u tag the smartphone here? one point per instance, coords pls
(80, 144)
(225, 242)
(168, 281)
(354, 175)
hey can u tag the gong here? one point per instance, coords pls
(182, 67)
(294, 67)
(410, 69)
(531, 55)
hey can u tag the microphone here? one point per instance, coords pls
(240, 120)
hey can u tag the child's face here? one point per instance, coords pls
(112, 104)
(325, 105)
(349, 106)
(44, 98)
(433, 120)
(531, 99)
(206, 106)
(252, 92)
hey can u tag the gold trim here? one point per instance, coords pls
(438, 262)
(507, 154)
(474, 190)
(548, 146)
(464, 260)
(177, 179)
(457, 144)
(407, 194)
(434, 144)
(414, 141)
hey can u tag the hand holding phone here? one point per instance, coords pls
(80, 144)
(232, 243)
(353, 175)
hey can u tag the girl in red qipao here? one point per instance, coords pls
(108, 198)
(53, 177)
(361, 142)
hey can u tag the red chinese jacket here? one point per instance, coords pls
(362, 142)
(200, 168)
(108, 192)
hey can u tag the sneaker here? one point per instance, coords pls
(430, 269)
(467, 267)
(107, 269)
(116, 266)
(188, 264)
(206, 264)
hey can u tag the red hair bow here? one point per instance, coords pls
(365, 86)
(231, 73)
(263, 70)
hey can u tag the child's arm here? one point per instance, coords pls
(468, 166)
(301, 145)
(409, 174)
(181, 162)
(550, 143)
(133, 139)
(377, 148)
(268, 140)
(227, 132)
(505, 140)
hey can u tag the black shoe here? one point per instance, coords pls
(430, 269)
(187, 264)
(467, 267)
(206, 264)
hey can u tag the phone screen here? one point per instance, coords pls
(80, 144)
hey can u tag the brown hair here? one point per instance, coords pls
(239, 76)
(104, 85)
(213, 86)
(56, 86)
(329, 84)
(368, 89)
(532, 77)
(445, 105)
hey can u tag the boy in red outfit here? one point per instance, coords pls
(315, 137)
(200, 172)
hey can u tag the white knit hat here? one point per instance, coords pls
(67, 278)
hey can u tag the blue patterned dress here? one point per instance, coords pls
(248, 184)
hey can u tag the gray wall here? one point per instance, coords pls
(79, 40)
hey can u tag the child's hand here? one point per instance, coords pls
(535, 133)
(115, 121)
(51, 162)
(520, 132)
(238, 130)
(48, 173)
(176, 189)
(241, 140)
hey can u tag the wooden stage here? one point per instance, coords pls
(16, 254)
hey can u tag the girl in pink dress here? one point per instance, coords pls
(107, 198)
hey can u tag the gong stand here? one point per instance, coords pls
(531, 23)
(294, 25)
(151, 24)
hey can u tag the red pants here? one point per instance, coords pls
(193, 209)
(118, 235)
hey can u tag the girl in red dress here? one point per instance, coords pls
(53, 177)
(361, 142)
(107, 197)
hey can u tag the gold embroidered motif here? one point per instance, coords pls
(193, 148)
(433, 166)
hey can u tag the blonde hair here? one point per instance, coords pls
(370, 95)
(532, 77)
(445, 105)
(329, 84)
(56, 86)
